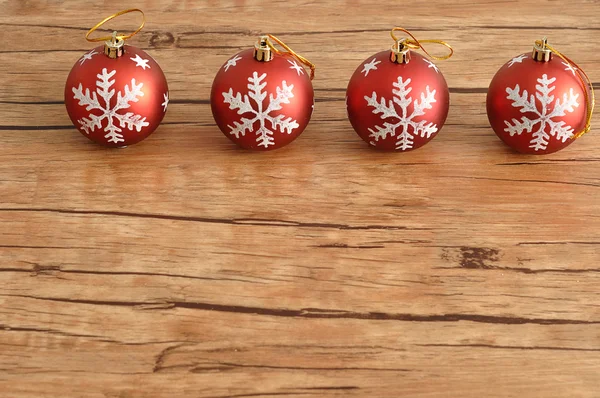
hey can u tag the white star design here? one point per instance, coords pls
(166, 103)
(370, 66)
(432, 65)
(298, 68)
(518, 59)
(570, 68)
(139, 61)
(87, 56)
(232, 62)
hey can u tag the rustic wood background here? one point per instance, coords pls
(183, 266)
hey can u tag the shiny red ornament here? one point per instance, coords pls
(397, 106)
(116, 102)
(262, 105)
(536, 107)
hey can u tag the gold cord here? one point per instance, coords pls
(415, 44)
(118, 37)
(585, 82)
(292, 53)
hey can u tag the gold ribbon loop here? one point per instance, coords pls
(288, 50)
(585, 83)
(118, 37)
(415, 44)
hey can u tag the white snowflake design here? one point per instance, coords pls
(406, 123)
(517, 60)
(570, 68)
(264, 135)
(128, 120)
(87, 57)
(547, 127)
(232, 62)
(165, 104)
(431, 65)
(141, 62)
(296, 67)
(370, 66)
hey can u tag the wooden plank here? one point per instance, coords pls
(185, 266)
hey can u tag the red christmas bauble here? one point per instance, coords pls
(262, 105)
(116, 102)
(536, 107)
(397, 106)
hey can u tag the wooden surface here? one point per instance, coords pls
(183, 266)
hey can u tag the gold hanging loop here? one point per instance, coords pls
(414, 44)
(585, 82)
(288, 50)
(116, 37)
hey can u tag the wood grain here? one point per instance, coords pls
(184, 266)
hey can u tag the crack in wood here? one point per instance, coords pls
(7, 328)
(509, 347)
(46, 247)
(521, 181)
(346, 246)
(47, 270)
(321, 313)
(570, 242)
(162, 355)
(261, 394)
(229, 366)
(252, 33)
(206, 101)
(321, 347)
(195, 367)
(35, 128)
(230, 221)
